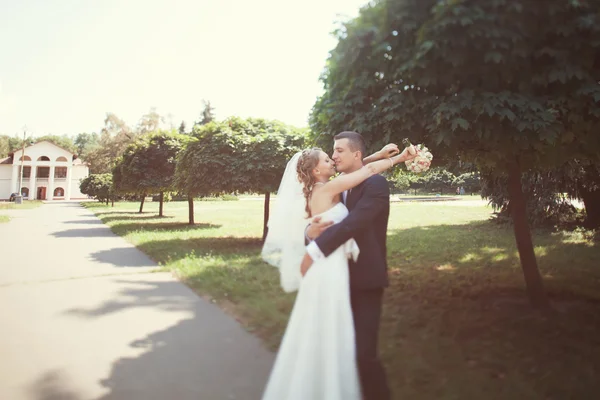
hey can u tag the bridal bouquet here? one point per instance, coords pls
(422, 161)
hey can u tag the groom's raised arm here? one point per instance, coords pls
(376, 194)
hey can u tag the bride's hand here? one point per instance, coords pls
(306, 264)
(389, 150)
(317, 227)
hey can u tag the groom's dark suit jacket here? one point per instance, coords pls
(369, 206)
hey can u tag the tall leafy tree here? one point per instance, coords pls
(208, 114)
(148, 165)
(114, 137)
(237, 155)
(63, 141)
(9, 144)
(271, 144)
(182, 128)
(507, 85)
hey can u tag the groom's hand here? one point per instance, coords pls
(306, 264)
(317, 227)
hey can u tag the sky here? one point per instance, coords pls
(65, 63)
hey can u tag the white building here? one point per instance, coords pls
(49, 173)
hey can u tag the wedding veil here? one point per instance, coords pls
(284, 246)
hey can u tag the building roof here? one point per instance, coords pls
(10, 158)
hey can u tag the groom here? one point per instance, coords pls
(369, 206)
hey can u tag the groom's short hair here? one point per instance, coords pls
(355, 140)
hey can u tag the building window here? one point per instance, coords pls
(43, 158)
(62, 158)
(43, 172)
(26, 172)
(60, 172)
(27, 158)
(25, 192)
(59, 192)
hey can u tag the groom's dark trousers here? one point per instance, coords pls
(369, 206)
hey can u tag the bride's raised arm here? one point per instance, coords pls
(387, 151)
(347, 181)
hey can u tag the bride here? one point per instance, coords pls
(316, 358)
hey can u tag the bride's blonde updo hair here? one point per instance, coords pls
(308, 161)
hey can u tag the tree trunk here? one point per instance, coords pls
(533, 279)
(107, 200)
(142, 203)
(591, 201)
(266, 219)
(191, 209)
(113, 201)
(160, 206)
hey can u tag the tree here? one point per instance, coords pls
(182, 128)
(149, 122)
(208, 114)
(439, 180)
(205, 166)
(63, 141)
(85, 143)
(237, 155)
(98, 186)
(548, 194)
(115, 136)
(148, 165)
(506, 85)
(270, 146)
(10, 144)
(470, 181)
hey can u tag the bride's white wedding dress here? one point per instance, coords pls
(316, 359)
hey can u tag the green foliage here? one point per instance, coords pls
(438, 180)
(435, 180)
(182, 128)
(492, 81)
(114, 138)
(208, 114)
(98, 186)
(148, 164)
(63, 141)
(548, 193)
(10, 144)
(237, 155)
(85, 143)
(470, 181)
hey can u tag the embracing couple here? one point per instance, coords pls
(329, 349)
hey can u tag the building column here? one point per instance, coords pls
(15, 180)
(69, 177)
(50, 193)
(32, 185)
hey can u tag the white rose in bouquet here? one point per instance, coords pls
(422, 161)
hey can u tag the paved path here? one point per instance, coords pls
(82, 316)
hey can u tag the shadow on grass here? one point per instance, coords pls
(221, 247)
(182, 347)
(123, 229)
(457, 322)
(123, 216)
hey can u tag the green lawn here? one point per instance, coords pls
(4, 218)
(25, 205)
(456, 321)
